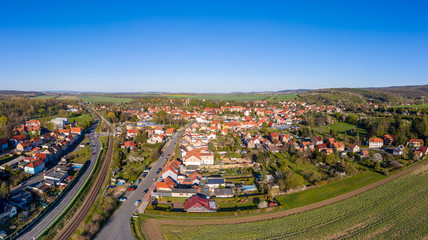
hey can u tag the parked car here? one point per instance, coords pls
(137, 202)
(138, 181)
(132, 188)
(122, 199)
(146, 190)
(144, 174)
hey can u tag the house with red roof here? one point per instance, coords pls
(193, 157)
(388, 139)
(35, 166)
(129, 145)
(416, 143)
(198, 203)
(375, 142)
(18, 138)
(132, 132)
(76, 130)
(170, 131)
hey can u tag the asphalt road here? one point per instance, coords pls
(48, 218)
(118, 228)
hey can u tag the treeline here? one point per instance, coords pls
(403, 127)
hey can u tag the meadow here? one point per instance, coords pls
(341, 128)
(80, 119)
(330, 190)
(395, 210)
(105, 99)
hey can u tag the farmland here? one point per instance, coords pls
(237, 97)
(329, 190)
(395, 210)
(104, 99)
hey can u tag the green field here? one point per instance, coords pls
(342, 127)
(45, 97)
(105, 99)
(329, 190)
(395, 210)
(237, 97)
(80, 119)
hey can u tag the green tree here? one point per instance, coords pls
(4, 190)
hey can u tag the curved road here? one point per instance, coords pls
(34, 231)
(119, 228)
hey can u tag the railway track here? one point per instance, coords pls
(82, 212)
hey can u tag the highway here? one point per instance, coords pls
(119, 228)
(43, 223)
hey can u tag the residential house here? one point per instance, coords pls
(193, 157)
(353, 148)
(198, 203)
(24, 146)
(416, 143)
(132, 132)
(375, 142)
(207, 157)
(339, 146)
(18, 138)
(35, 166)
(7, 210)
(129, 145)
(388, 139)
(170, 131)
(398, 150)
(274, 136)
(21, 199)
(171, 172)
(224, 193)
(215, 182)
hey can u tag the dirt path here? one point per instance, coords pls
(152, 227)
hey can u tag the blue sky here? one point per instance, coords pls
(211, 46)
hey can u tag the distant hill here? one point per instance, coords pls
(395, 94)
(20, 93)
(403, 91)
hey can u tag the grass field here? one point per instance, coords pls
(104, 99)
(395, 210)
(329, 190)
(342, 127)
(237, 97)
(80, 119)
(44, 97)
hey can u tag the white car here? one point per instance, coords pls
(137, 202)
(122, 199)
